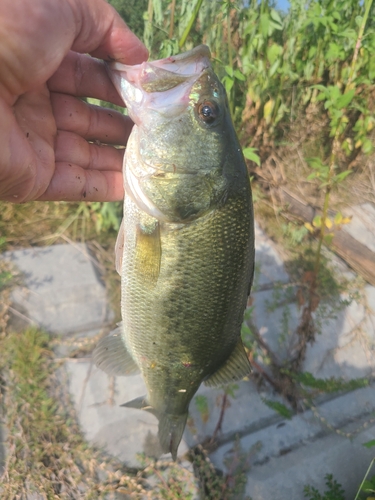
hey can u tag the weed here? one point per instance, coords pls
(202, 406)
(334, 491)
(215, 486)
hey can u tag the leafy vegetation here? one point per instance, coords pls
(334, 491)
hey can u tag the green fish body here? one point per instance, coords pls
(185, 251)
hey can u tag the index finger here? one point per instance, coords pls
(83, 76)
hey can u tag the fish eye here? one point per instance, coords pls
(208, 112)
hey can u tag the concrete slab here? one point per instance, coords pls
(269, 263)
(345, 346)
(286, 476)
(283, 436)
(245, 413)
(62, 289)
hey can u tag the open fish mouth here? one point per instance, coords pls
(164, 74)
(163, 85)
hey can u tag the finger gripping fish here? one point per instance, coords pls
(185, 250)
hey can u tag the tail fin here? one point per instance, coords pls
(171, 428)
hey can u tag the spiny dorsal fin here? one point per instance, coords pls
(148, 252)
(111, 355)
(119, 248)
(236, 367)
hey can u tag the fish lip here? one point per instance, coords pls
(201, 51)
(188, 65)
(200, 54)
(164, 81)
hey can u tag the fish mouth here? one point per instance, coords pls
(163, 85)
(165, 74)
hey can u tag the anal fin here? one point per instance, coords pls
(235, 368)
(139, 404)
(111, 355)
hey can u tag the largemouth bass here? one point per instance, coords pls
(185, 250)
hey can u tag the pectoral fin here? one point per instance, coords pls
(119, 248)
(236, 367)
(111, 355)
(148, 252)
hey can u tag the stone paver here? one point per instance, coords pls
(345, 345)
(285, 477)
(63, 293)
(246, 414)
(284, 436)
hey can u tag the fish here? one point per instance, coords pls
(185, 249)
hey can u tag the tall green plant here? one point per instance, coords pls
(337, 103)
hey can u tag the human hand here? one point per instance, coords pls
(44, 127)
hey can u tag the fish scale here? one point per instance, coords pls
(186, 247)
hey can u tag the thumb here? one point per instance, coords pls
(37, 36)
(102, 33)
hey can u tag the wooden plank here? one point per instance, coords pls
(358, 256)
